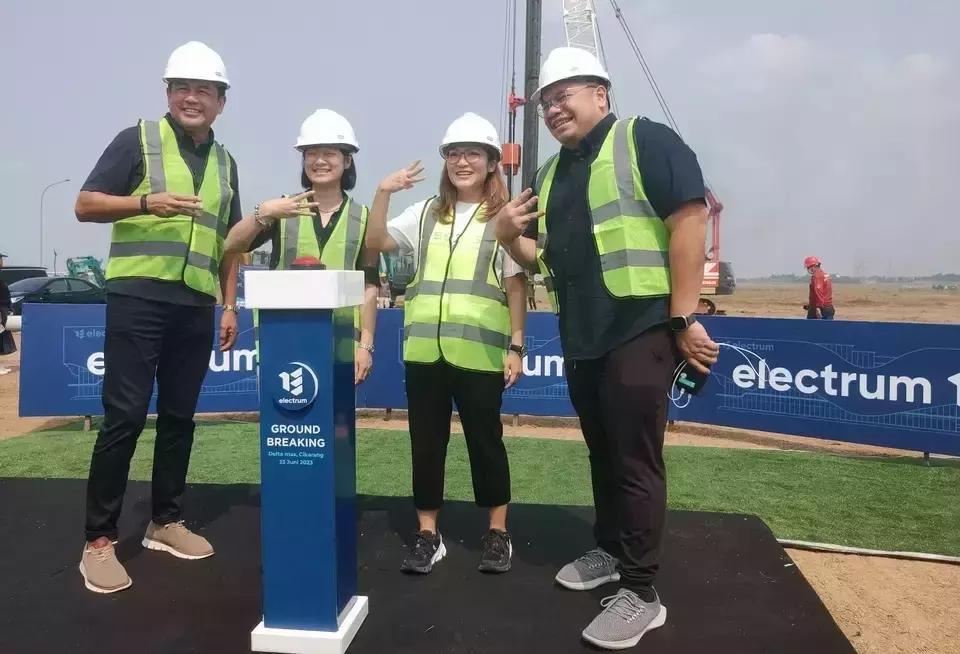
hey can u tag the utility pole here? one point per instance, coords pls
(531, 78)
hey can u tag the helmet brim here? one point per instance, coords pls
(348, 148)
(218, 81)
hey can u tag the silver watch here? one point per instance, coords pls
(364, 346)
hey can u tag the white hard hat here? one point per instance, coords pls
(471, 128)
(568, 63)
(326, 127)
(194, 60)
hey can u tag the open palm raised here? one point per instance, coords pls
(403, 179)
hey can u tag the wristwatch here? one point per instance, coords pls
(364, 346)
(519, 349)
(681, 323)
(230, 307)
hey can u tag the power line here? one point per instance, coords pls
(506, 59)
(646, 69)
(650, 78)
(603, 57)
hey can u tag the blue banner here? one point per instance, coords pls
(62, 364)
(889, 384)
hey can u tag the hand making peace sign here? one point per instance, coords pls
(516, 214)
(289, 207)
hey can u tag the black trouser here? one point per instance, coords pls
(146, 340)
(826, 313)
(621, 400)
(431, 391)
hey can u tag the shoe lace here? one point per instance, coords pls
(498, 541)
(178, 526)
(596, 558)
(422, 544)
(625, 604)
(103, 554)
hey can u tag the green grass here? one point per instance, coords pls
(892, 504)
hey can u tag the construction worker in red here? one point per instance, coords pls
(820, 306)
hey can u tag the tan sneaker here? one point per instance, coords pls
(102, 572)
(177, 540)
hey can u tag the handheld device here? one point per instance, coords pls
(690, 380)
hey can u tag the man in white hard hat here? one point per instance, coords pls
(624, 201)
(171, 192)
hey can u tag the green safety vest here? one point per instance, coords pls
(454, 307)
(341, 252)
(631, 239)
(182, 248)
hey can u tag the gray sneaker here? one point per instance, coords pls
(624, 620)
(593, 569)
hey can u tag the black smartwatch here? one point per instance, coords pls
(681, 323)
(519, 349)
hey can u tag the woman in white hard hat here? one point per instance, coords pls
(464, 316)
(332, 228)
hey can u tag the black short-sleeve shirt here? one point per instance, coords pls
(120, 170)
(371, 274)
(593, 322)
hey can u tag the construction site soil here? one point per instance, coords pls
(883, 605)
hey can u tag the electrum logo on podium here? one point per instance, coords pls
(296, 386)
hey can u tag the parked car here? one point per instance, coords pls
(54, 290)
(11, 274)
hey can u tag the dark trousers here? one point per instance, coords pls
(621, 400)
(147, 340)
(826, 313)
(431, 391)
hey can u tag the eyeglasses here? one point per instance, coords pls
(472, 155)
(560, 99)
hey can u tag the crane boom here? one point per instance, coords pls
(580, 25)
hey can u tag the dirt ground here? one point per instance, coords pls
(873, 302)
(882, 605)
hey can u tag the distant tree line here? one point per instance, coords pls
(939, 278)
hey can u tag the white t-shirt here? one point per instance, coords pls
(405, 230)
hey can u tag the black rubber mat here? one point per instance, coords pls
(727, 584)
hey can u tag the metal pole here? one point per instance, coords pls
(44, 192)
(531, 78)
(511, 134)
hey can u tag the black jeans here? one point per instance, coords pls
(621, 400)
(147, 340)
(431, 391)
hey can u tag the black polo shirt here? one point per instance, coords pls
(371, 274)
(120, 170)
(593, 322)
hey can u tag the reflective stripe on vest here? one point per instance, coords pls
(298, 238)
(632, 241)
(182, 247)
(454, 307)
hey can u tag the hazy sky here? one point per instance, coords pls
(827, 127)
